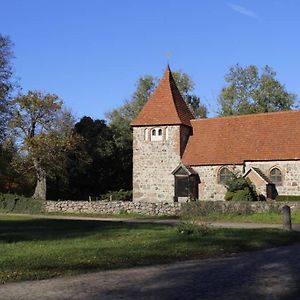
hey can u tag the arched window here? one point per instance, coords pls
(225, 175)
(153, 132)
(276, 176)
(159, 132)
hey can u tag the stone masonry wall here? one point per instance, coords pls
(153, 163)
(113, 207)
(159, 208)
(209, 187)
(290, 172)
(211, 190)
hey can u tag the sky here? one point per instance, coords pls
(92, 52)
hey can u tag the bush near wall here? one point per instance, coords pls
(205, 208)
(287, 198)
(240, 189)
(10, 203)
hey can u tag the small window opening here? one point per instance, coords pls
(159, 132)
(153, 132)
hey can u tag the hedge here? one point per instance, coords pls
(10, 203)
(287, 198)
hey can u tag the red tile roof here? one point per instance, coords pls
(233, 140)
(165, 106)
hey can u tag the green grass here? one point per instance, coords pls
(32, 248)
(268, 218)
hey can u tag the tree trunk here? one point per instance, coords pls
(40, 189)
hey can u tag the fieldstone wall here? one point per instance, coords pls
(242, 207)
(209, 187)
(154, 161)
(113, 207)
(163, 209)
(290, 171)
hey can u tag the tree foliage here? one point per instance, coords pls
(240, 188)
(6, 83)
(92, 170)
(44, 134)
(249, 91)
(94, 167)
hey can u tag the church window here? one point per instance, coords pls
(225, 175)
(159, 132)
(276, 176)
(153, 132)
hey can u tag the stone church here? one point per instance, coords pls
(176, 157)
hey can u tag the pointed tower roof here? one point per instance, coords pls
(165, 106)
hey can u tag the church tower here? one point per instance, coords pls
(160, 133)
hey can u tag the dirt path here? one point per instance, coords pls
(267, 274)
(160, 221)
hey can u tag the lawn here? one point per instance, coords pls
(32, 248)
(269, 218)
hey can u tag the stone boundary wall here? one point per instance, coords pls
(113, 207)
(160, 208)
(242, 207)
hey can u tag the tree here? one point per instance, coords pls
(44, 134)
(249, 92)
(93, 165)
(120, 118)
(199, 109)
(6, 84)
(14, 180)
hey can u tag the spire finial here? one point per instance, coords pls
(168, 55)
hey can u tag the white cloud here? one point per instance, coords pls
(242, 10)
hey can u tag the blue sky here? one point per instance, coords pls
(91, 52)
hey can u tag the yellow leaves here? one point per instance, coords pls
(43, 128)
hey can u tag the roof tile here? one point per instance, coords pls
(233, 140)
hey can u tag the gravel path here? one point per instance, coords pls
(267, 274)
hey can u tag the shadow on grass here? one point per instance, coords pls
(169, 248)
(52, 229)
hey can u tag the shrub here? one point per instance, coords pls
(200, 208)
(288, 198)
(240, 189)
(19, 204)
(120, 195)
(193, 228)
(207, 208)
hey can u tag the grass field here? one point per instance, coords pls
(43, 248)
(270, 217)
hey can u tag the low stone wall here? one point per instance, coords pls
(242, 207)
(163, 209)
(113, 207)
